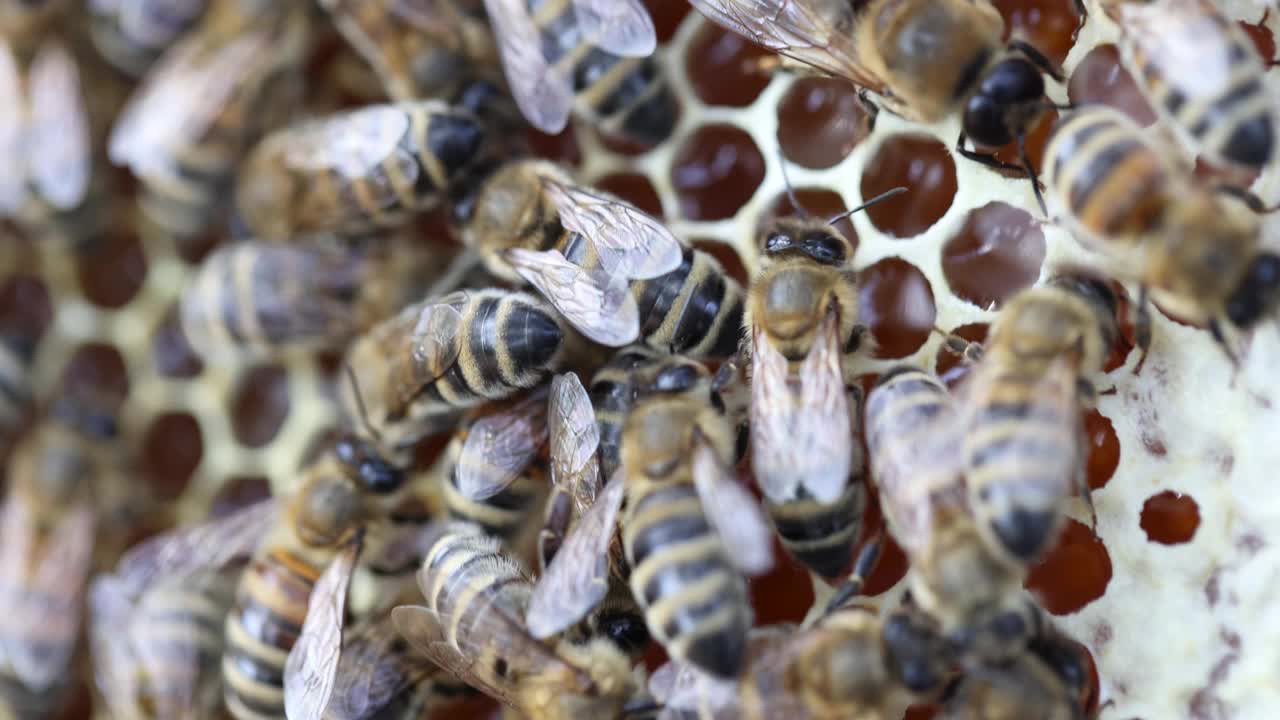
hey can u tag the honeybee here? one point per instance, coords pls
(380, 675)
(1197, 252)
(27, 22)
(262, 299)
(15, 391)
(1222, 110)
(157, 655)
(585, 57)
(131, 34)
(203, 104)
(283, 634)
(415, 371)
(44, 132)
(471, 625)
(416, 47)
(47, 533)
(356, 171)
(611, 398)
(689, 530)
(914, 437)
(923, 58)
(1023, 448)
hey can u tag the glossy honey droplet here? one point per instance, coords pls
(725, 68)
(1103, 447)
(814, 202)
(1170, 518)
(1101, 78)
(260, 405)
(820, 121)
(896, 302)
(716, 172)
(997, 252)
(924, 167)
(1074, 573)
(171, 451)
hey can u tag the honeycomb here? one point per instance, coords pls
(1171, 593)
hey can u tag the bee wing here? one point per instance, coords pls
(686, 692)
(815, 32)
(621, 27)
(545, 95)
(193, 550)
(501, 446)
(352, 144)
(578, 577)
(153, 23)
(58, 153)
(631, 243)
(312, 665)
(57, 580)
(13, 111)
(115, 668)
(733, 512)
(600, 307)
(575, 438)
(375, 668)
(433, 349)
(1161, 32)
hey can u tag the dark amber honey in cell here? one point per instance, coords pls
(667, 15)
(97, 371)
(260, 405)
(561, 148)
(1263, 39)
(820, 120)
(814, 202)
(1101, 78)
(112, 270)
(1170, 518)
(923, 166)
(171, 450)
(170, 351)
(716, 172)
(239, 492)
(1036, 139)
(997, 252)
(1049, 25)
(952, 368)
(785, 593)
(1074, 573)
(896, 302)
(1103, 447)
(724, 68)
(25, 310)
(635, 189)
(728, 258)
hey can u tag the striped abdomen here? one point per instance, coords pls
(504, 515)
(821, 536)
(611, 399)
(465, 575)
(1221, 103)
(1106, 176)
(270, 607)
(694, 310)
(694, 602)
(181, 625)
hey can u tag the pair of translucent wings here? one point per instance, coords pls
(44, 132)
(631, 245)
(545, 91)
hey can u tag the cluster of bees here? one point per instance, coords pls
(601, 378)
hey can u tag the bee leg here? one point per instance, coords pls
(1246, 196)
(969, 352)
(1142, 328)
(1038, 59)
(873, 110)
(1215, 329)
(867, 560)
(1031, 172)
(987, 159)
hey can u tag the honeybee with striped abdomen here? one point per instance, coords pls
(1198, 252)
(914, 438)
(924, 59)
(202, 105)
(471, 625)
(585, 57)
(356, 171)
(131, 34)
(1203, 76)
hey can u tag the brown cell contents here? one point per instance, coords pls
(25, 310)
(1101, 78)
(1073, 574)
(923, 166)
(239, 492)
(820, 121)
(951, 368)
(97, 371)
(260, 405)
(112, 270)
(1103, 446)
(635, 189)
(171, 451)
(716, 172)
(1049, 25)
(1170, 518)
(997, 252)
(724, 68)
(896, 302)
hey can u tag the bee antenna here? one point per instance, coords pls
(879, 198)
(786, 183)
(364, 413)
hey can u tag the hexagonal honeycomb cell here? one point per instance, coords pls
(1172, 592)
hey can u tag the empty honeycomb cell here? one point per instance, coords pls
(112, 270)
(170, 350)
(260, 405)
(924, 167)
(1074, 573)
(1049, 25)
(772, 606)
(25, 311)
(896, 302)
(171, 450)
(96, 371)
(1101, 78)
(997, 252)
(716, 172)
(820, 121)
(728, 258)
(724, 68)
(815, 203)
(951, 368)
(635, 189)
(1103, 446)
(239, 492)
(1170, 518)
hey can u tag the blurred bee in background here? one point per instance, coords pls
(689, 529)
(914, 438)
(923, 59)
(258, 299)
(26, 23)
(381, 675)
(413, 373)
(47, 535)
(417, 48)
(1222, 110)
(131, 34)
(356, 171)
(805, 338)
(15, 390)
(283, 633)
(585, 57)
(202, 105)
(1197, 252)
(471, 626)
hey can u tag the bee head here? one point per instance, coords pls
(368, 467)
(818, 241)
(1007, 101)
(1069, 663)
(325, 509)
(671, 378)
(1258, 292)
(918, 655)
